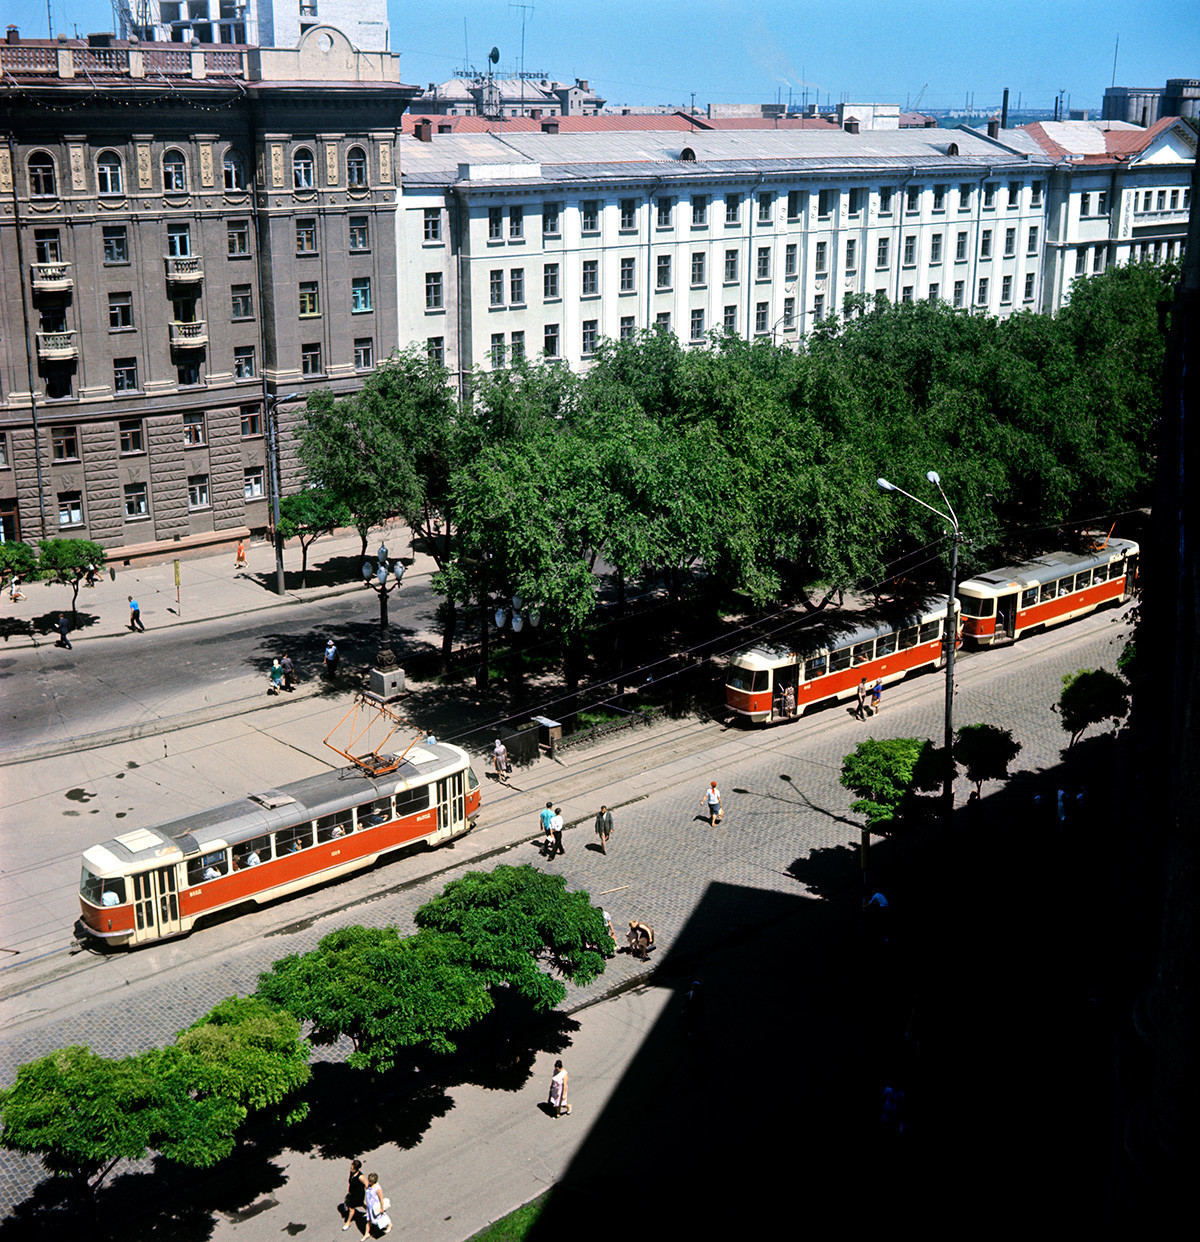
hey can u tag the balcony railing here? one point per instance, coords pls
(189, 335)
(185, 271)
(56, 346)
(51, 277)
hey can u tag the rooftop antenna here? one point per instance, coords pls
(1115, 51)
(526, 9)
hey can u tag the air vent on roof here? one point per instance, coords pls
(688, 155)
(271, 798)
(952, 149)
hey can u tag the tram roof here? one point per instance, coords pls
(266, 810)
(1048, 567)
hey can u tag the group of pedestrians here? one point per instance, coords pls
(365, 1195)
(869, 699)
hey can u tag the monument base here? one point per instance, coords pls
(387, 684)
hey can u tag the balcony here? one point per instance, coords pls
(188, 335)
(56, 346)
(51, 277)
(187, 271)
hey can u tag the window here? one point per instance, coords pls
(550, 219)
(235, 170)
(306, 236)
(906, 294)
(1010, 243)
(662, 321)
(550, 340)
(46, 246)
(1036, 198)
(699, 210)
(933, 292)
(1098, 258)
(762, 317)
(251, 421)
(516, 286)
(435, 349)
(729, 321)
(116, 244)
(914, 199)
(665, 208)
(356, 168)
(1102, 203)
(131, 435)
(793, 207)
(302, 169)
(1033, 240)
(179, 240)
(662, 278)
(627, 328)
(108, 174)
(765, 200)
(822, 250)
(983, 291)
(41, 176)
(187, 373)
(137, 502)
(1006, 290)
(243, 362)
(1014, 194)
(360, 235)
(939, 198)
(237, 237)
(1080, 261)
(628, 213)
(851, 254)
(1147, 199)
(64, 444)
(589, 215)
(496, 286)
(433, 224)
(881, 252)
(1029, 287)
(497, 349)
(910, 250)
(120, 310)
(985, 244)
(197, 491)
(495, 223)
(360, 295)
(790, 260)
(935, 248)
(697, 268)
(242, 305)
(252, 482)
(731, 267)
(310, 359)
(1174, 200)
(960, 248)
(989, 194)
(589, 336)
(733, 207)
(1085, 204)
(819, 307)
(856, 201)
(518, 346)
(516, 222)
(959, 292)
(762, 269)
(789, 314)
(590, 283)
(885, 200)
(174, 172)
(125, 375)
(193, 430)
(550, 281)
(628, 275)
(964, 197)
(70, 508)
(310, 299)
(697, 325)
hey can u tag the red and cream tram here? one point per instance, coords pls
(1046, 591)
(765, 683)
(156, 882)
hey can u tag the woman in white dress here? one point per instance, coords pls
(377, 1217)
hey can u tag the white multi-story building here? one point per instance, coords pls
(259, 23)
(517, 244)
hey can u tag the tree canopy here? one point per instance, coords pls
(984, 752)
(67, 561)
(1089, 697)
(307, 515)
(885, 775)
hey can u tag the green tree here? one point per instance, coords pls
(309, 514)
(387, 994)
(17, 558)
(882, 774)
(1091, 696)
(511, 919)
(66, 562)
(984, 752)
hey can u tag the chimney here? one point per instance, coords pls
(1004, 111)
(12, 35)
(444, 127)
(993, 128)
(851, 126)
(931, 122)
(423, 130)
(550, 126)
(582, 83)
(536, 113)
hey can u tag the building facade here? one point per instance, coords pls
(258, 23)
(189, 237)
(500, 98)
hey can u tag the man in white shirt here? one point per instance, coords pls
(556, 831)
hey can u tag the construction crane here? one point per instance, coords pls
(917, 101)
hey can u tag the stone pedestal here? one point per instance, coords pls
(387, 684)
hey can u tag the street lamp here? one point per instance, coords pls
(951, 628)
(376, 577)
(275, 478)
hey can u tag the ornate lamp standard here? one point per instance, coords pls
(387, 677)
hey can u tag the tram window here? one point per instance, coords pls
(1029, 598)
(973, 606)
(293, 840)
(815, 666)
(1049, 591)
(839, 659)
(885, 645)
(738, 678)
(330, 827)
(372, 814)
(251, 853)
(1100, 573)
(102, 892)
(1083, 580)
(410, 801)
(208, 867)
(863, 652)
(908, 638)
(930, 630)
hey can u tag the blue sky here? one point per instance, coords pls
(661, 51)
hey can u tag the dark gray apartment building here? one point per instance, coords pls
(191, 237)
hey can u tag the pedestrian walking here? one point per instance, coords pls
(135, 616)
(556, 831)
(876, 697)
(276, 677)
(604, 914)
(545, 815)
(91, 576)
(500, 760)
(331, 659)
(289, 672)
(14, 589)
(861, 711)
(712, 799)
(604, 828)
(640, 939)
(240, 562)
(378, 1204)
(356, 1194)
(63, 626)
(558, 1101)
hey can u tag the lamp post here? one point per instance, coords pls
(376, 577)
(512, 616)
(275, 478)
(951, 634)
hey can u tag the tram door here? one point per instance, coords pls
(452, 807)
(1006, 615)
(155, 904)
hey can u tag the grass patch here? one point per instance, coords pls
(589, 719)
(514, 1226)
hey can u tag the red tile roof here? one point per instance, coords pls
(1119, 144)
